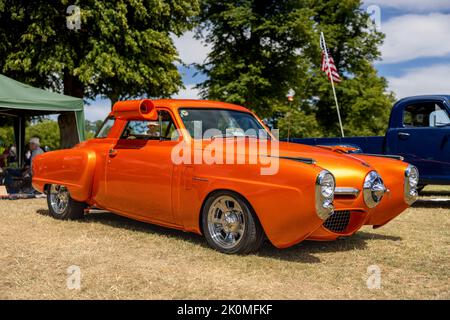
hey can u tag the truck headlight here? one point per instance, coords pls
(373, 189)
(410, 184)
(325, 185)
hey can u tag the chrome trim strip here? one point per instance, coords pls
(200, 179)
(300, 159)
(346, 191)
(390, 156)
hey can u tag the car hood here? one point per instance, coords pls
(348, 170)
(342, 166)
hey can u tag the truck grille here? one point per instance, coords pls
(338, 221)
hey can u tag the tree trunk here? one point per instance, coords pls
(67, 121)
(68, 130)
(114, 98)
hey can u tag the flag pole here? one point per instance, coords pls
(332, 83)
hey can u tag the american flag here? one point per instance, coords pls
(328, 65)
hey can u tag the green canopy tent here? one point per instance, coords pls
(21, 101)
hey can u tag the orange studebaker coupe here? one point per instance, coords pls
(214, 169)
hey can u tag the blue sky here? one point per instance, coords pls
(415, 55)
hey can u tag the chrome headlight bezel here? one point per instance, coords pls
(325, 187)
(410, 184)
(373, 189)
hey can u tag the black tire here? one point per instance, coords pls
(253, 234)
(74, 210)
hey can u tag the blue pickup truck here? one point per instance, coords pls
(419, 131)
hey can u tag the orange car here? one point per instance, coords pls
(214, 169)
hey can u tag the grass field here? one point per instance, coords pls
(123, 259)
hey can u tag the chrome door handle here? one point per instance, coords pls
(403, 135)
(112, 152)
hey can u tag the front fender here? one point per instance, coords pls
(73, 168)
(393, 203)
(284, 203)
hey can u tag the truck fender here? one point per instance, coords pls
(73, 168)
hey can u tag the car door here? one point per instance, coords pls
(424, 138)
(139, 170)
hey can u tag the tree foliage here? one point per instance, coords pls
(263, 48)
(46, 130)
(123, 48)
(256, 50)
(91, 128)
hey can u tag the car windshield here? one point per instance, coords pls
(214, 123)
(105, 128)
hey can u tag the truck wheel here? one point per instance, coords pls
(230, 225)
(61, 205)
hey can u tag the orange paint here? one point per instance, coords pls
(138, 179)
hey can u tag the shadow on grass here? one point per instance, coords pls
(306, 249)
(302, 253)
(431, 193)
(43, 212)
(432, 203)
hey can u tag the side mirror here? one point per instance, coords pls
(135, 110)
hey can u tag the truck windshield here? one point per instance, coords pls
(105, 128)
(213, 123)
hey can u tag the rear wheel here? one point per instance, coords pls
(61, 205)
(229, 224)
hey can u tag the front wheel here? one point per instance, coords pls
(229, 224)
(61, 205)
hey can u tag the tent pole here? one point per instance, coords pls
(21, 142)
(18, 139)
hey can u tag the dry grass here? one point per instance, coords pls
(123, 259)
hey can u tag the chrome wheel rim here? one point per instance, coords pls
(226, 222)
(59, 198)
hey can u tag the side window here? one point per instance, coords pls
(428, 114)
(161, 129)
(439, 118)
(105, 128)
(168, 129)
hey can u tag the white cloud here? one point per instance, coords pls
(413, 36)
(188, 93)
(433, 79)
(190, 49)
(411, 5)
(97, 110)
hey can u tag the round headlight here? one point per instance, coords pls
(373, 189)
(325, 185)
(413, 176)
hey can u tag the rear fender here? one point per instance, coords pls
(73, 168)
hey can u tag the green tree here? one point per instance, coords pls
(91, 128)
(262, 48)
(120, 49)
(47, 131)
(257, 51)
(363, 97)
(6, 135)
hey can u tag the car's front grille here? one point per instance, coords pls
(338, 221)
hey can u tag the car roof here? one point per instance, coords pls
(197, 104)
(426, 97)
